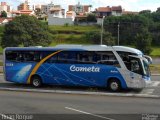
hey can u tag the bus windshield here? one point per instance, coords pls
(146, 68)
(135, 64)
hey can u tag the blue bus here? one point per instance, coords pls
(75, 65)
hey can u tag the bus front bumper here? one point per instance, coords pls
(137, 84)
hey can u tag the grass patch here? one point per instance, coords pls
(155, 68)
(73, 29)
(1, 29)
(69, 39)
(1, 50)
(1, 63)
(70, 34)
(155, 52)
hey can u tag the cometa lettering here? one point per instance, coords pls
(73, 68)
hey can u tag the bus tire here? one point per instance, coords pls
(114, 85)
(36, 81)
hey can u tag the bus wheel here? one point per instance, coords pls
(36, 81)
(114, 85)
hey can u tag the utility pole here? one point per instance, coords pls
(118, 32)
(102, 30)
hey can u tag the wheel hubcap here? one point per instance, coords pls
(36, 82)
(114, 86)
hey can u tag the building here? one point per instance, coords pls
(23, 12)
(78, 8)
(78, 12)
(57, 11)
(116, 10)
(4, 7)
(23, 9)
(103, 11)
(5, 20)
(108, 11)
(24, 6)
(49, 6)
(56, 16)
(38, 7)
(46, 8)
(71, 14)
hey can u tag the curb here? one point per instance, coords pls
(81, 93)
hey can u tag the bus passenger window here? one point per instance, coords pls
(20, 57)
(107, 58)
(29, 56)
(63, 57)
(86, 57)
(53, 59)
(11, 56)
(72, 57)
(37, 57)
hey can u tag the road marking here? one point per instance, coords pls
(147, 91)
(153, 84)
(99, 116)
(6, 117)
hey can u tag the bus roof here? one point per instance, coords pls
(64, 47)
(77, 47)
(85, 47)
(127, 49)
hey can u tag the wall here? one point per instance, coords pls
(99, 21)
(59, 21)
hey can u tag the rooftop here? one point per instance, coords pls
(104, 9)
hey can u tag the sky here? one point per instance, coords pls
(128, 5)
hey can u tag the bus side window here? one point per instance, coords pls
(29, 56)
(53, 59)
(72, 57)
(37, 57)
(20, 57)
(62, 57)
(67, 57)
(86, 57)
(11, 55)
(108, 58)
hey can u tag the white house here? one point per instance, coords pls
(57, 11)
(71, 14)
(56, 16)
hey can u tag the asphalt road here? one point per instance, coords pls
(77, 106)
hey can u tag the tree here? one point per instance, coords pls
(91, 17)
(129, 26)
(93, 36)
(158, 9)
(108, 39)
(145, 12)
(143, 41)
(3, 14)
(26, 31)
